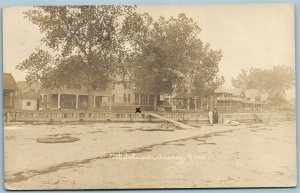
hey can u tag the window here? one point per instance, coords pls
(28, 104)
(103, 87)
(113, 98)
(125, 85)
(125, 99)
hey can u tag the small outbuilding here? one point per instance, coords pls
(29, 100)
(10, 88)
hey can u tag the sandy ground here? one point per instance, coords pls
(150, 155)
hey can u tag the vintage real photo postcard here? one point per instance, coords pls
(149, 96)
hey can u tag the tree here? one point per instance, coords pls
(277, 98)
(204, 75)
(84, 46)
(167, 53)
(275, 81)
(253, 78)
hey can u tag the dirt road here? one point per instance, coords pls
(150, 155)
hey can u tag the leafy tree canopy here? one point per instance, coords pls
(90, 45)
(83, 45)
(275, 81)
(168, 54)
(279, 78)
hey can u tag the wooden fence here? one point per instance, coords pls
(77, 116)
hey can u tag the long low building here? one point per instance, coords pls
(121, 95)
(71, 98)
(117, 96)
(237, 99)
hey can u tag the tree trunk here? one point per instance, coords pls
(207, 105)
(155, 102)
(90, 99)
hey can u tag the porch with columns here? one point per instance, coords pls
(73, 101)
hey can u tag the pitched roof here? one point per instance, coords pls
(24, 85)
(29, 95)
(251, 93)
(222, 89)
(236, 91)
(9, 82)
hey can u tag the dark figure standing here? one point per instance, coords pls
(215, 116)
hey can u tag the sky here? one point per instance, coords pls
(249, 35)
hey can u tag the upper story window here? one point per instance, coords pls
(125, 84)
(129, 85)
(103, 87)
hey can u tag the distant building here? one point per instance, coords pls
(232, 99)
(117, 95)
(252, 95)
(236, 99)
(10, 89)
(126, 97)
(29, 100)
(24, 87)
(27, 96)
(254, 100)
(182, 102)
(121, 94)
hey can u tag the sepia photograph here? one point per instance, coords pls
(149, 96)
